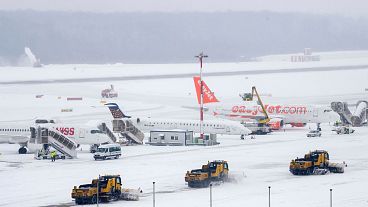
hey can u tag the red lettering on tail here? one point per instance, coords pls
(208, 95)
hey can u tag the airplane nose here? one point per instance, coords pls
(246, 131)
(335, 115)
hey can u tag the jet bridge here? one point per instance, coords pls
(127, 129)
(360, 114)
(343, 110)
(355, 119)
(50, 136)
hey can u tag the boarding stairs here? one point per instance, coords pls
(108, 132)
(60, 142)
(342, 109)
(127, 129)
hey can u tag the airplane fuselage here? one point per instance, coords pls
(20, 133)
(289, 113)
(208, 127)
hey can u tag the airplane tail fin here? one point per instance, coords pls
(115, 111)
(208, 95)
(32, 58)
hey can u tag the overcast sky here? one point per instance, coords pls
(354, 8)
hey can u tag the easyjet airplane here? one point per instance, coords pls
(297, 115)
(20, 134)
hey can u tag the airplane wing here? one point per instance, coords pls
(14, 139)
(195, 108)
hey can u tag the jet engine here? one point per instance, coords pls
(29, 148)
(276, 123)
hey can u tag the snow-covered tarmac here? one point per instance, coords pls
(255, 163)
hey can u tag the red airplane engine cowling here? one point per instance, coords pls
(276, 123)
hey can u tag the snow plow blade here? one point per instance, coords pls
(130, 194)
(337, 167)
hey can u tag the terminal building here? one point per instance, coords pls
(306, 57)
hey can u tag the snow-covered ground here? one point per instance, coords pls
(255, 163)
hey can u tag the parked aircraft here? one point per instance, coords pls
(209, 126)
(19, 133)
(297, 115)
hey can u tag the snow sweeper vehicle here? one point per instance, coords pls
(315, 163)
(103, 189)
(214, 171)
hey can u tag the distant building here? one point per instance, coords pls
(306, 57)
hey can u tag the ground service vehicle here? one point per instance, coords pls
(343, 130)
(315, 162)
(314, 133)
(109, 92)
(109, 189)
(217, 170)
(250, 97)
(107, 151)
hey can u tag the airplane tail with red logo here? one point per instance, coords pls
(208, 95)
(115, 111)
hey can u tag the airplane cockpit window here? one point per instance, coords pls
(41, 121)
(96, 131)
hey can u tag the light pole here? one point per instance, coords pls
(211, 195)
(200, 57)
(269, 196)
(154, 200)
(98, 189)
(330, 197)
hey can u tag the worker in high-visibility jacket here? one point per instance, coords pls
(53, 156)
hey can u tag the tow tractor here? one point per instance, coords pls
(340, 128)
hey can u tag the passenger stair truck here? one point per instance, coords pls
(105, 129)
(355, 119)
(123, 125)
(108, 132)
(49, 136)
(127, 129)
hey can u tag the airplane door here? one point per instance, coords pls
(227, 129)
(315, 112)
(82, 133)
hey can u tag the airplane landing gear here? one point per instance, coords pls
(22, 150)
(319, 127)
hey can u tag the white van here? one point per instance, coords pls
(108, 151)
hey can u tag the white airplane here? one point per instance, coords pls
(209, 126)
(297, 115)
(16, 133)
